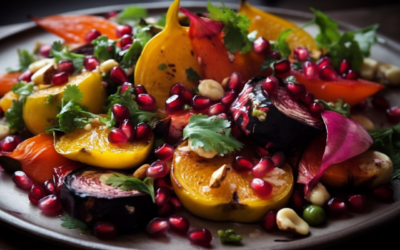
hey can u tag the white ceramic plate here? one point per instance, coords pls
(17, 211)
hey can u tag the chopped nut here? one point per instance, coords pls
(390, 72)
(218, 176)
(4, 131)
(107, 66)
(130, 209)
(96, 121)
(140, 173)
(44, 74)
(211, 89)
(201, 152)
(363, 121)
(35, 66)
(318, 195)
(288, 220)
(225, 82)
(368, 68)
(377, 166)
(87, 127)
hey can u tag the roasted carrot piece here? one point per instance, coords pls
(7, 81)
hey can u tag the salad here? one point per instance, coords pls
(232, 116)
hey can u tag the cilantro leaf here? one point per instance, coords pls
(281, 44)
(131, 14)
(49, 99)
(162, 21)
(25, 59)
(132, 55)
(104, 48)
(128, 183)
(328, 29)
(366, 37)
(268, 63)
(346, 48)
(22, 89)
(71, 223)
(162, 66)
(192, 75)
(211, 133)
(340, 106)
(229, 237)
(64, 54)
(73, 93)
(14, 115)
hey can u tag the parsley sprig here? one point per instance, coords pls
(25, 59)
(131, 15)
(128, 183)
(211, 133)
(14, 114)
(71, 223)
(59, 53)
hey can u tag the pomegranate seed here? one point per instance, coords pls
(187, 96)
(176, 203)
(261, 46)
(162, 197)
(308, 99)
(282, 67)
(236, 132)
(360, 106)
(176, 89)
(301, 54)
(316, 108)
(279, 159)
(37, 192)
(111, 14)
(242, 163)
(276, 55)
(263, 189)
(163, 183)
(49, 187)
(296, 90)
(126, 47)
(90, 63)
(60, 78)
(123, 30)
(380, 103)
(146, 102)
(350, 75)
(383, 193)
(336, 207)
(235, 82)
(128, 128)
(216, 109)
(118, 75)
(22, 180)
(157, 169)
(200, 102)
(143, 131)
(9, 143)
(166, 210)
(327, 73)
(124, 87)
(262, 152)
(104, 230)
(228, 98)
(179, 224)
(344, 67)
(324, 61)
(393, 114)
(126, 40)
(139, 89)
(117, 136)
(357, 203)
(297, 201)
(26, 76)
(157, 227)
(91, 35)
(65, 66)
(264, 166)
(200, 237)
(223, 116)
(164, 152)
(310, 69)
(174, 104)
(44, 50)
(120, 112)
(270, 85)
(268, 223)
(49, 204)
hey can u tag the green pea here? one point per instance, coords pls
(314, 215)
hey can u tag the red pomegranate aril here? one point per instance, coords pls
(223, 116)
(242, 163)
(327, 73)
(344, 67)
(146, 102)
(310, 69)
(200, 102)
(235, 82)
(278, 158)
(126, 40)
(143, 131)
(90, 63)
(163, 195)
(174, 104)
(297, 201)
(324, 61)
(26, 76)
(111, 14)
(166, 210)
(282, 67)
(301, 54)
(118, 75)
(357, 203)
(49, 204)
(308, 99)
(235, 130)
(228, 98)
(393, 114)
(91, 35)
(261, 46)
(123, 30)
(176, 203)
(9, 143)
(158, 227)
(187, 96)
(296, 90)
(380, 103)
(216, 109)
(126, 47)
(200, 237)
(264, 166)
(60, 78)
(22, 180)
(276, 55)
(383, 193)
(263, 189)
(360, 106)
(350, 75)
(179, 224)
(164, 152)
(262, 152)
(163, 183)
(117, 136)
(65, 66)
(124, 87)
(270, 85)
(49, 187)
(36, 193)
(128, 128)
(176, 89)
(139, 89)
(336, 207)
(316, 108)
(268, 223)
(44, 50)
(104, 230)
(157, 169)
(120, 112)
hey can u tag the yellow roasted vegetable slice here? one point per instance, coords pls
(7, 100)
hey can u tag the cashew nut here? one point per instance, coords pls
(140, 173)
(288, 220)
(211, 89)
(218, 176)
(363, 121)
(318, 195)
(368, 68)
(35, 66)
(107, 66)
(390, 72)
(44, 74)
(376, 167)
(201, 152)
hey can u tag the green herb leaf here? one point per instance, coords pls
(104, 48)
(291, 79)
(229, 237)
(340, 106)
(128, 183)
(25, 59)
(73, 93)
(14, 115)
(162, 66)
(268, 63)
(22, 89)
(71, 223)
(131, 14)
(346, 48)
(49, 99)
(192, 75)
(328, 29)
(282, 45)
(211, 133)
(64, 54)
(132, 55)
(366, 37)
(162, 21)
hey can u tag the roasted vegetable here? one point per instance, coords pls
(7, 81)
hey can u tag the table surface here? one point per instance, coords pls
(383, 12)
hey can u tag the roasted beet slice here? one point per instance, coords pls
(276, 120)
(85, 197)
